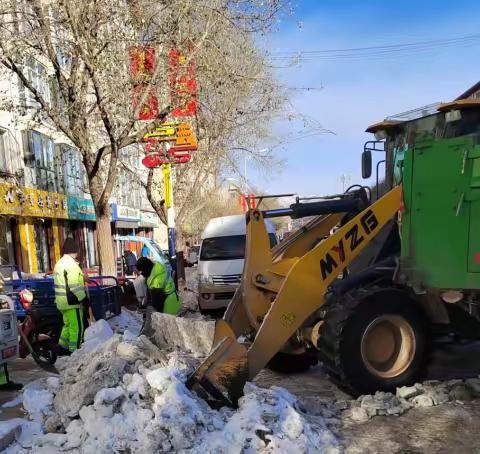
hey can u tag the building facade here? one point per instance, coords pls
(44, 196)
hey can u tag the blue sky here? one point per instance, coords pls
(357, 93)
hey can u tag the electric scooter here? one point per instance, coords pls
(39, 333)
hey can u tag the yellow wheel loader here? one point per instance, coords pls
(361, 285)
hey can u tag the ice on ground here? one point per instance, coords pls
(14, 402)
(144, 406)
(127, 321)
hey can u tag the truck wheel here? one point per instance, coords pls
(286, 363)
(374, 340)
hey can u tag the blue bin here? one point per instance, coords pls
(104, 295)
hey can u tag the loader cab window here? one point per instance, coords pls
(227, 247)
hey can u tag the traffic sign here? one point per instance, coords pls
(165, 133)
(185, 137)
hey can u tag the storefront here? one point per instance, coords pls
(29, 227)
(125, 222)
(81, 226)
(148, 222)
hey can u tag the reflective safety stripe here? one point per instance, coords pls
(63, 342)
(67, 274)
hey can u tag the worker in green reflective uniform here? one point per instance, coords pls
(161, 287)
(70, 295)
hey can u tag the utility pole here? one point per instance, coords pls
(245, 174)
(345, 179)
(168, 197)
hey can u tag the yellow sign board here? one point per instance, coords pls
(179, 133)
(167, 185)
(185, 136)
(28, 202)
(166, 132)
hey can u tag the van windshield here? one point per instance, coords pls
(227, 247)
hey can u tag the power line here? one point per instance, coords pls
(403, 49)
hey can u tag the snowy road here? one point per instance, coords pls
(150, 391)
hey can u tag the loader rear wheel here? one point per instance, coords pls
(288, 363)
(374, 340)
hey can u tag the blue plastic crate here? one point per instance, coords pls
(104, 295)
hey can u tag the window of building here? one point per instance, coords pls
(74, 174)
(41, 247)
(40, 156)
(4, 159)
(37, 75)
(7, 256)
(129, 190)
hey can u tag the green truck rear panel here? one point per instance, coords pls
(441, 224)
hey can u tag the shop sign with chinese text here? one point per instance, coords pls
(81, 209)
(26, 202)
(124, 213)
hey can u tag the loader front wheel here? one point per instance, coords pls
(375, 340)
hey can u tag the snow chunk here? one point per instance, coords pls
(37, 400)
(95, 335)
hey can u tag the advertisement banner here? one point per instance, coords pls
(182, 83)
(149, 110)
(142, 62)
(28, 202)
(81, 209)
(142, 67)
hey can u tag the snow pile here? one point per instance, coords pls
(125, 395)
(428, 394)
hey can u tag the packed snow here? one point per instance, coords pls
(120, 393)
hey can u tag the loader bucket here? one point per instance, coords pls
(223, 374)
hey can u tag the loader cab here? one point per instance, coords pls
(380, 151)
(436, 159)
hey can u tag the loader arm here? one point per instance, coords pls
(277, 297)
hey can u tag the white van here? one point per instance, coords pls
(221, 259)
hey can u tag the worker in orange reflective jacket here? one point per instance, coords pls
(161, 287)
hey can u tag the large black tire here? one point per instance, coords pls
(286, 363)
(374, 340)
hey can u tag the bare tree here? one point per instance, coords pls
(237, 95)
(84, 48)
